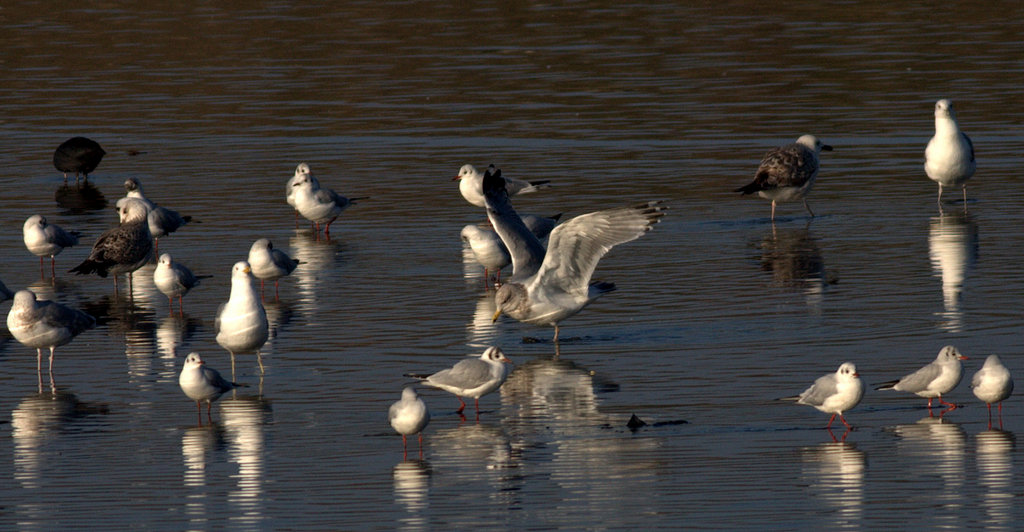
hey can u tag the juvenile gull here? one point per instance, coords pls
(409, 416)
(933, 380)
(42, 324)
(241, 322)
(202, 383)
(121, 249)
(46, 240)
(949, 157)
(302, 171)
(79, 155)
(549, 286)
(992, 384)
(834, 393)
(788, 173)
(471, 184)
(316, 204)
(269, 264)
(174, 280)
(472, 377)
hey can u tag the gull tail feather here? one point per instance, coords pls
(886, 385)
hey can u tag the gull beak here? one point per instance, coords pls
(247, 270)
(496, 314)
(456, 178)
(856, 374)
(826, 147)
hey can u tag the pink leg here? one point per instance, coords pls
(945, 403)
(477, 403)
(830, 420)
(843, 419)
(462, 405)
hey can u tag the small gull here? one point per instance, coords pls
(549, 286)
(949, 157)
(302, 171)
(79, 155)
(241, 322)
(269, 264)
(471, 184)
(472, 377)
(992, 384)
(933, 380)
(174, 280)
(42, 324)
(834, 393)
(202, 383)
(121, 249)
(317, 204)
(787, 173)
(46, 240)
(490, 251)
(409, 416)
(162, 221)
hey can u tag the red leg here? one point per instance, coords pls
(843, 419)
(945, 403)
(53, 266)
(477, 403)
(462, 405)
(830, 420)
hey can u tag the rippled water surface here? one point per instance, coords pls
(718, 313)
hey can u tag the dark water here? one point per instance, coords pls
(718, 312)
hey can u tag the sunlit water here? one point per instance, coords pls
(718, 312)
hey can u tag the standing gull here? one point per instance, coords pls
(949, 157)
(787, 173)
(269, 264)
(302, 171)
(202, 383)
(121, 249)
(471, 184)
(549, 286)
(834, 393)
(409, 416)
(933, 380)
(472, 377)
(42, 324)
(174, 280)
(992, 384)
(79, 155)
(162, 221)
(241, 322)
(45, 240)
(316, 204)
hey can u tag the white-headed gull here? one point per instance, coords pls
(317, 204)
(241, 322)
(471, 184)
(45, 324)
(472, 377)
(202, 383)
(46, 240)
(269, 263)
(949, 157)
(933, 380)
(174, 280)
(834, 393)
(409, 416)
(992, 384)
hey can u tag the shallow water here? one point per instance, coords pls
(718, 311)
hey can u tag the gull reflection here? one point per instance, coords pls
(317, 257)
(995, 476)
(196, 444)
(936, 445)
(412, 486)
(243, 419)
(80, 198)
(482, 332)
(279, 314)
(38, 418)
(137, 325)
(477, 453)
(172, 332)
(835, 473)
(953, 250)
(794, 259)
(555, 389)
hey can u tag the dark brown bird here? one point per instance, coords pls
(79, 155)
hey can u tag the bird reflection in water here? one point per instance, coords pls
(80, 198)
(244, 419)
(556, 390)
(316, 260)
(994, 452)
(835, 474)
(953, 250)
(412, 487)
(196, 445)
(794, 259)
(36, 420)
(937, 446)
(482, 331)
(122, 317)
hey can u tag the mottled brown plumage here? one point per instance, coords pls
(787, 173)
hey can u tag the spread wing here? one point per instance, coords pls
(526, 250)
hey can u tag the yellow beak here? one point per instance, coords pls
(496, 314)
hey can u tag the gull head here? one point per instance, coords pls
(950, 354)
(813, 143)
(36, 220)
(944, 109)
(494, 354)
(848, 370)
(467, 170)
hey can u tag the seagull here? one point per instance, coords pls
(548, 286)
(42, 324)
(202, 383)
(301, 171)
(121, 249)
(472, 377)
(316, 204)
(490, 251)
(409, 416)
(241, 322)
(43, 239)
(269, 264)
(834, 393)
(933, 380)
(79, 155)
(471, 184)
(174, 279)
(787, 173)
(162, 221)
(949, 157)
(992, 384)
